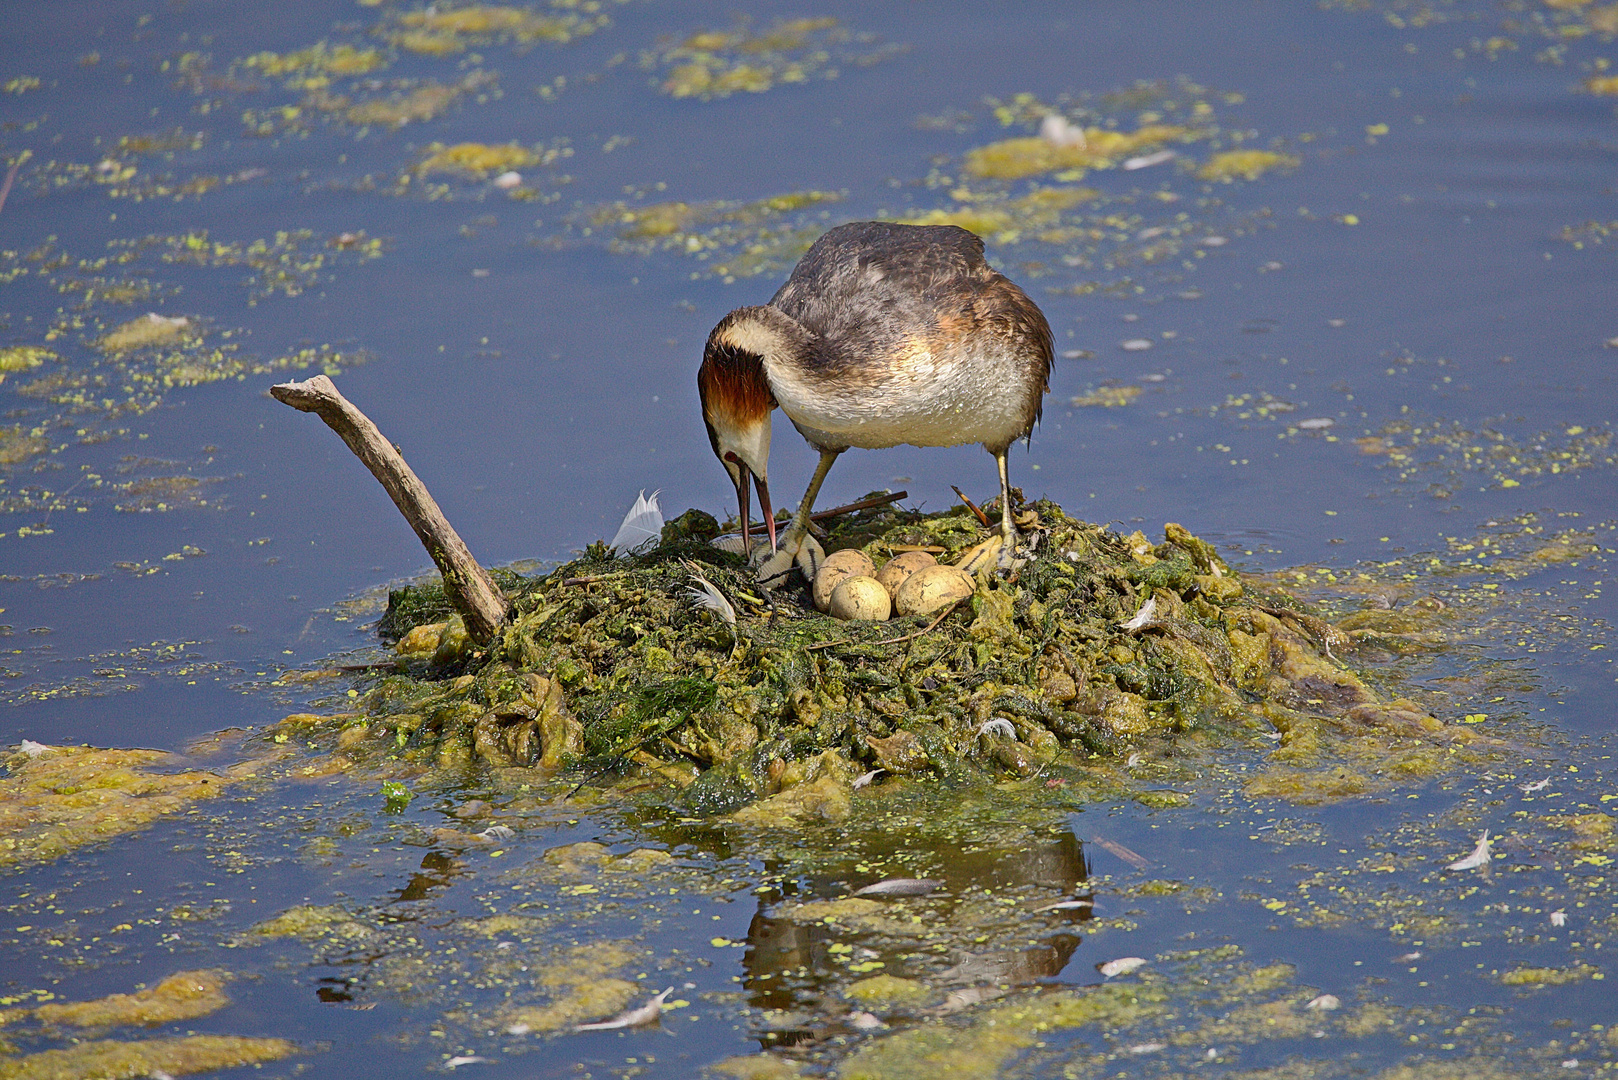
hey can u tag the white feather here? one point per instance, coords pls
(642, 527)
(1143, 617)
(1480, 855)
(998, 726)
(708, 597)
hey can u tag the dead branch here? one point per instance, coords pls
(467, 584)
(864, 504)
(983, 519)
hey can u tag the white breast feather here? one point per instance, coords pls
(980, 397)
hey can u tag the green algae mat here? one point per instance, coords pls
(1095, 646)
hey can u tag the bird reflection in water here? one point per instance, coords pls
(795, 965)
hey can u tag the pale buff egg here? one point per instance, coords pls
(860, 596)
(850, 562)
(933, 587)
(895, 570)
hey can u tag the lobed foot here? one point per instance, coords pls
(999, 551)
(990, 552)
(798, 551)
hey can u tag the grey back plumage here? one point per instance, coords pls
(875, 289)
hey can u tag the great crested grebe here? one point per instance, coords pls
(883, 334)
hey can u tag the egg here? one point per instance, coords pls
(896, 569)
(932, 588)
(860, 596)
(849, 562)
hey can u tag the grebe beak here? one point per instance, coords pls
(744, 511)
(743, 501)
(765, 508)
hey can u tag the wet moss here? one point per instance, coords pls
(756, 1067)
(317, 59)
(581, 983)
(1545, 976)
(17, 358)
(445, 32)
(18, 444)
(476, 159)
(713, 64)
(146, 332)
(887, 991)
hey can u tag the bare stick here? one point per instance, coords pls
(466, 583)
(851, 508)
(972, 506)
(864, 504)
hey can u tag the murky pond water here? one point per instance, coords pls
(1335, 286)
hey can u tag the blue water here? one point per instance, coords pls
(537, 377)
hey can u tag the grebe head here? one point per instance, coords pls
(736, 405)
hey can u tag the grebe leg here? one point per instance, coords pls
(1001, 549)
(1008, 528)
(797, 548)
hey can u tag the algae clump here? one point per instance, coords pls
(113, 1060)
(56, 799)
(1244, 164)
(1096, 644)
(476, 159)
(1013, 159)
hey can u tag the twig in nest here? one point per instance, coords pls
(590, 579)
(864, 504)
(850, 508)
(983, 518)
(891, 641)
(929, 627)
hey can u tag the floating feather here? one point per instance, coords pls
(642, 527)
(903, 886)
(1146, 161)
(866, 779)
(1138, 861)
(639, 1016)
(1066, 905)
(1121, 966)
(1479, 857)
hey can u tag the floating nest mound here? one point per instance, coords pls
(1096, 644)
